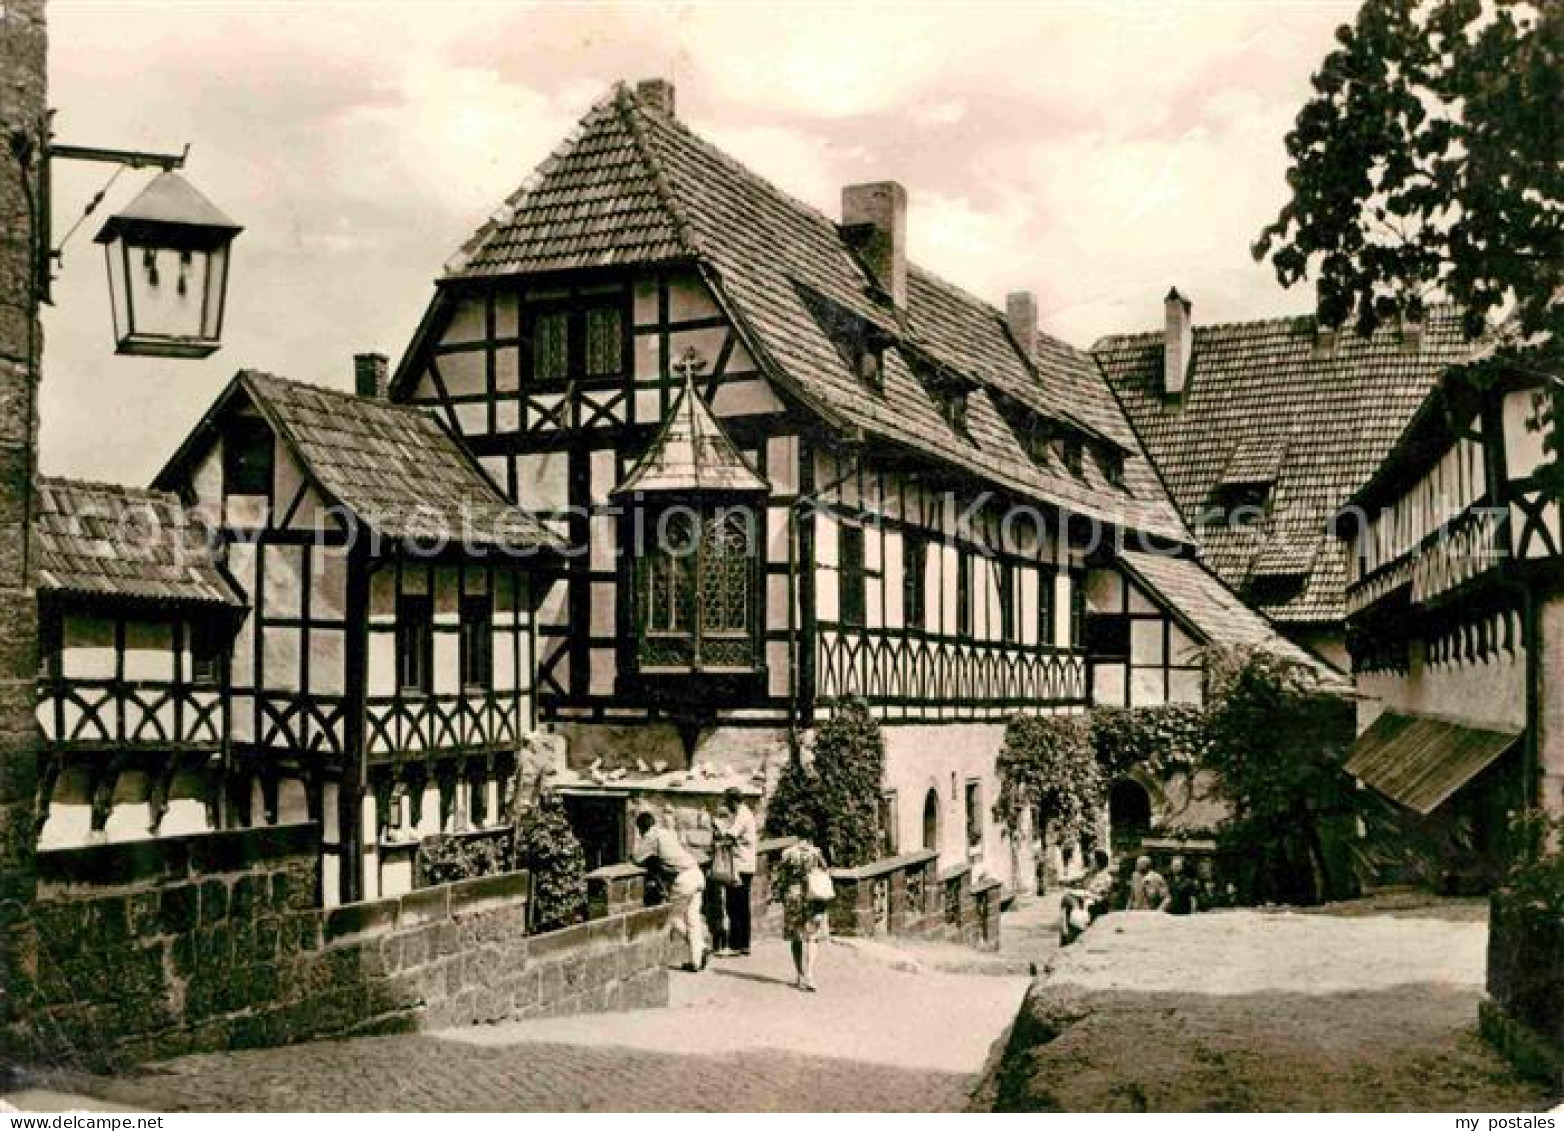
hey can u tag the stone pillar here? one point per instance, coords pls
(23, 105)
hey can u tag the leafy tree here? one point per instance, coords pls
(836, 802)
(1047, 765)
(547, 847)
(1430, 161)
(1276, 744)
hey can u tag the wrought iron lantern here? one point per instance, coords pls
(168, 254)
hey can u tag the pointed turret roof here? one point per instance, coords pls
(691, 454)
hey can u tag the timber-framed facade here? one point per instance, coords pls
(926, 482)
(1456, 611)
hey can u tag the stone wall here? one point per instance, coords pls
(202, 943)
(23, 104)
(904, 896)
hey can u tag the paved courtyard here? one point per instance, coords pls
(878, 1036)
(1369, 1006)
(1365, 1006)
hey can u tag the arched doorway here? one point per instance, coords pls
(931, 820)
(1129, 813)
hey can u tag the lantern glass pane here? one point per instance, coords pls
(114, 253)
(168, 292)
(215, 274)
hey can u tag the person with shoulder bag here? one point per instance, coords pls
(805, 886)
(735, 837)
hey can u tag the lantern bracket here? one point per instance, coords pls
(134, 158)
(49, 255)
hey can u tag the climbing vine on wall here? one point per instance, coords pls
(1047, 765)
(1155, 740)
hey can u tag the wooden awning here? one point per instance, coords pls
(1419, 761)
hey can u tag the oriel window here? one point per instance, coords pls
(477, 650)
(696, 588)
(415, 643)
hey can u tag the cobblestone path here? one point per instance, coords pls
(738, 1037)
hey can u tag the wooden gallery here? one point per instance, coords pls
(673, 465)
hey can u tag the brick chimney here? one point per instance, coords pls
(874, 221)
(1021, 317)
(371, 375)
(656, 95)
(1178, 341)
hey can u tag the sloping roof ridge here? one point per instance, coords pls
(344, 395)
(506, 211)
(630, 114)
(71, 482)
(1434, 310)
(1290, 321)
(734, 165)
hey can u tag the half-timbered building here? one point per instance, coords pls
(380, 682)
(801, 469)
(1455, 601)
(135, 618)
(1262, 429)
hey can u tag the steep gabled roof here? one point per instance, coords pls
(691, 453)
(396, 469)
(104, 540)
(1217, 614)
(1266, 384)
(635, 186)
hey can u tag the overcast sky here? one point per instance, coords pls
(1095, 153)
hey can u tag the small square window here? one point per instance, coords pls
(248, 457)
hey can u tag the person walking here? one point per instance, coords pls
(659, 848)
(736, 835)
(806, 891)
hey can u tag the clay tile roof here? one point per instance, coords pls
(397, 469)
(1335, 414)
(691, 453)
(632, 186)
(103, 540)
(1218, 615)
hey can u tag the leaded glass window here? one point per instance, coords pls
(603, 341)
(551, 346)
(696, 589)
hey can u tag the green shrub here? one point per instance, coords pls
(547, 847)
(449, 858)
(794, 806)
(1536, 872)
(1277, 745)
(836, 802)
